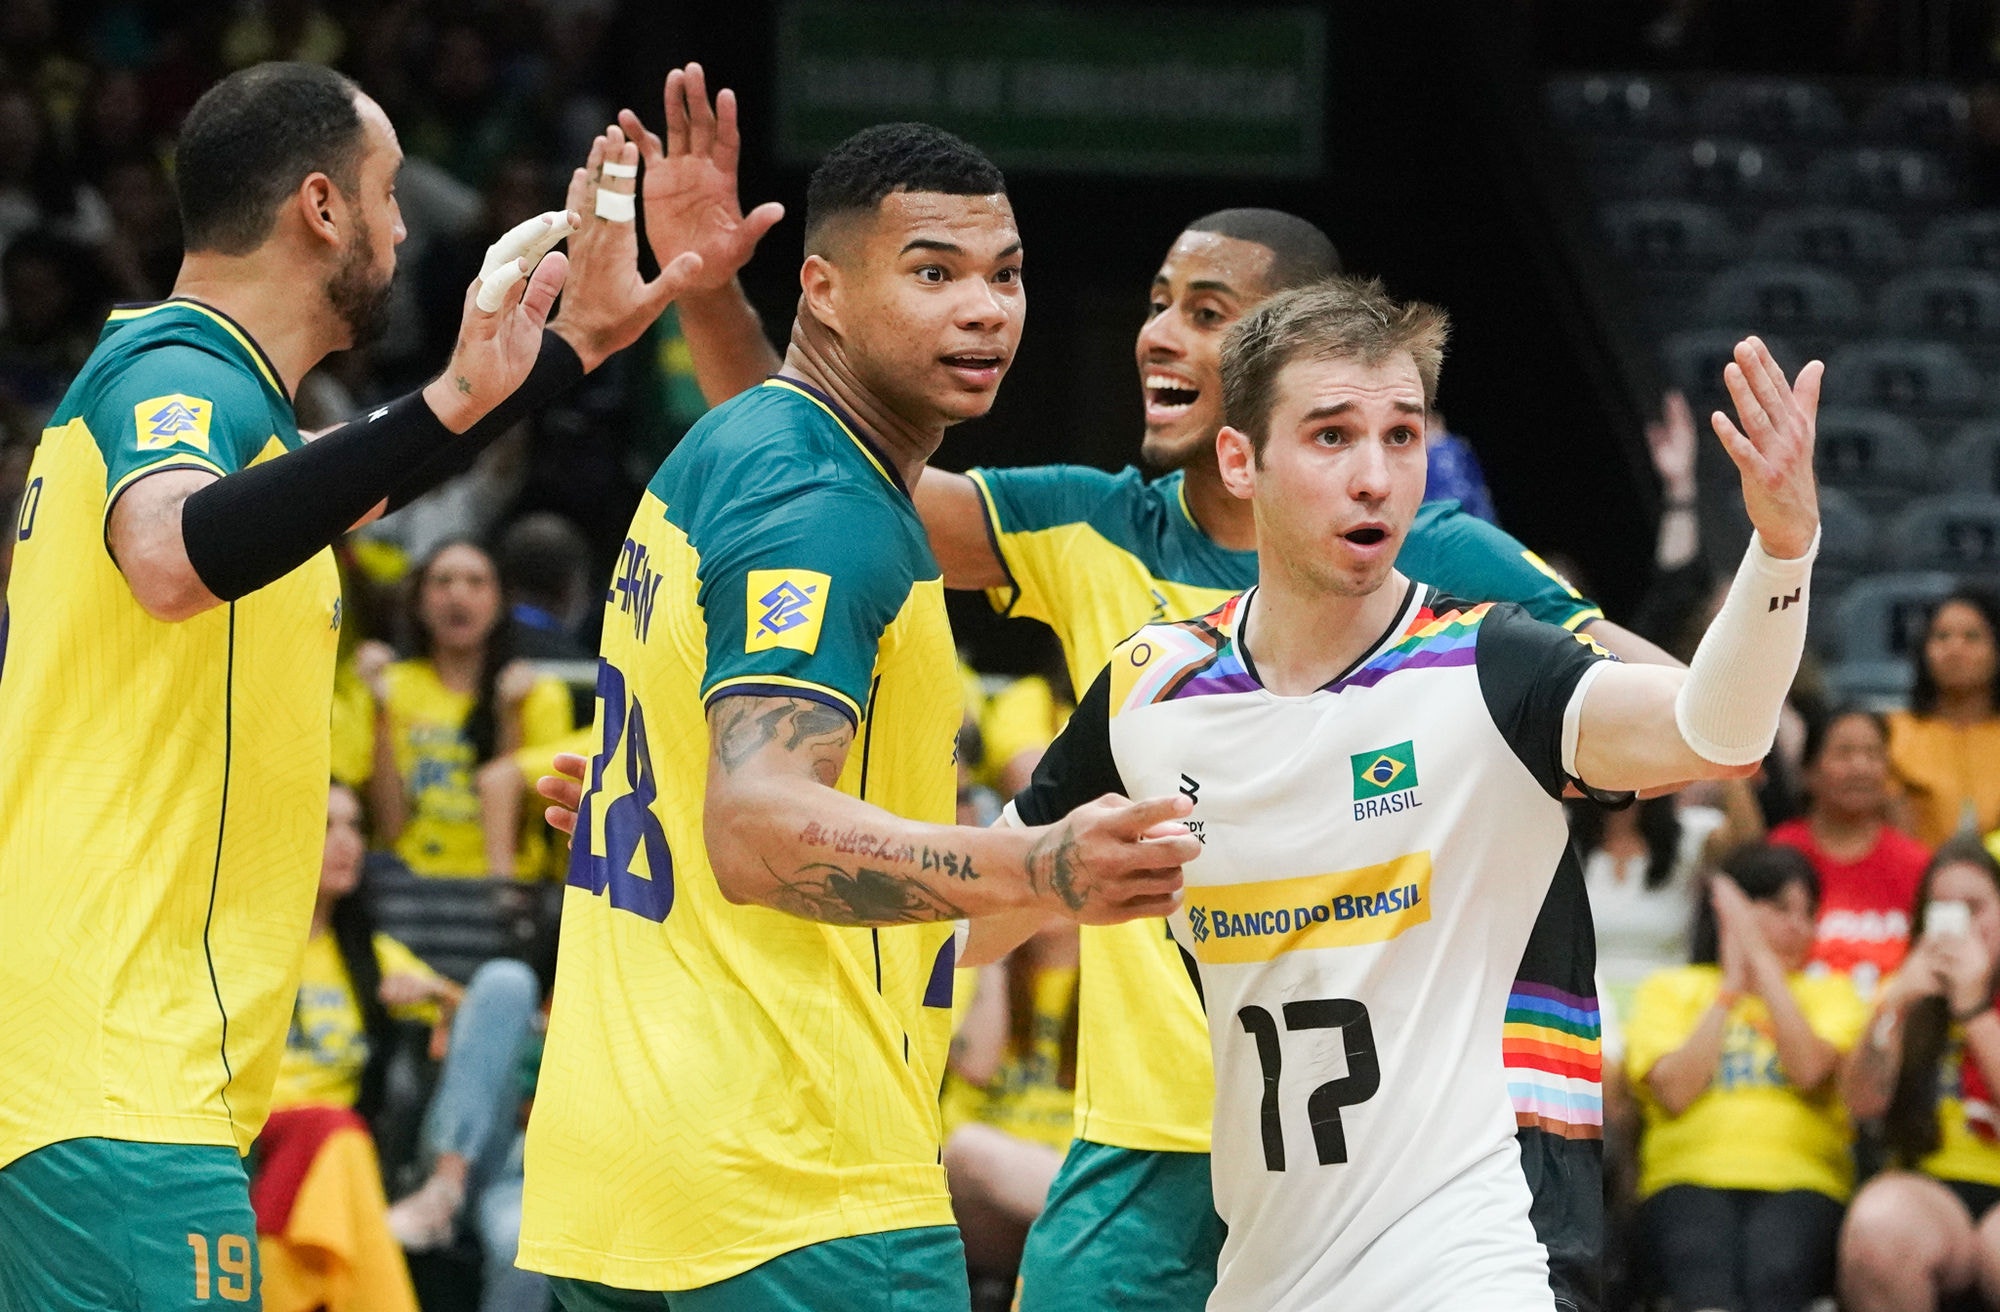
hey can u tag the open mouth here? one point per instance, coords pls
(974, 363)
(1366, 536)
(1169, 396)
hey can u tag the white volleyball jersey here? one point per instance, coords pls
(1374, 856)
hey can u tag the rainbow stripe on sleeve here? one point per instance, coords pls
(1553, 1052)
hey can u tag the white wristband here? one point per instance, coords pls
(617, 206)
(613, 169)
(1728, 708)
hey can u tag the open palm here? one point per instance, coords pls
(690, 194)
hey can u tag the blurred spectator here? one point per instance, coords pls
(282, 29)
(1927, 1230)
(1453, 472)
(1868, 869)
(1009, 1100)
(506, 786)
(1945, 750)
(1744, 1165)
(142, 255)
(56, 303)
(1642, 864)
(472, 1135)
(1017, 726)
(546, 565)
(322, 1220)
(460, 702)
(473, 117)
(36, 189)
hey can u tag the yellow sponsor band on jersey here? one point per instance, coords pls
(1236, 923)
(173, 420)
(784, 608)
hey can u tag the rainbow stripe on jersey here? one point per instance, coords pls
(1552, 1046)
(1430, 641)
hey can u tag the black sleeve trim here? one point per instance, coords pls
(1078, 767)
(1528, 671)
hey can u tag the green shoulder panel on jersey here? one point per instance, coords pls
(1465, 556)
(176, 385)
(808, 545)
(1036, 514)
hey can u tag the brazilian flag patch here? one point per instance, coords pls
(1387, 770)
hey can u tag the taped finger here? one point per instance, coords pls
(614, 169)
(494, 284)
(617, 206)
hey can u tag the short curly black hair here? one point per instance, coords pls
(250, 141)
(892, 157)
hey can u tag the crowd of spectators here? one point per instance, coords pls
(1797, 971)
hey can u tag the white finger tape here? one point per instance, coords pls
(618, 206)
(529, 240)
(494, 283)
(614, 169)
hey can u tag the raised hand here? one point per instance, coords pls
(608, 305)
(690, 185)
(1671, 439)
(1112, 860)
(497, 348)
(1773, 448)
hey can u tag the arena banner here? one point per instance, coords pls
(1134, 91)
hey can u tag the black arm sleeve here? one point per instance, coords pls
(1527, 673)
(259, 524)
(1078, 767)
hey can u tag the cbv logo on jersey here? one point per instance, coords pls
(1235, 923)
(1385, 781)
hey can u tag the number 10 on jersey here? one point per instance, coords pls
(1364, 1073)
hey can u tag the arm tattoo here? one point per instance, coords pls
(836, 895)
(1053, 864)
(744, 726)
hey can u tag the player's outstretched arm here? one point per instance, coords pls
(691, 206)
(1643, 726)
(954, 516)
(779, 835)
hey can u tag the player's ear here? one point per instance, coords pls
(1238, 462)
(321, 207)
(819, 281)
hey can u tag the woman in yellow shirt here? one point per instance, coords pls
(322, 1220)
(1945, 750)
(1930, 1066)
(1745, 1159)
(461, 702)
(1009, 1097)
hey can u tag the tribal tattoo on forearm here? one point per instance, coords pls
(1053, 864)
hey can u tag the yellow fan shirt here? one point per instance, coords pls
(1751, 1129)
(162, 786)
(327, 1046)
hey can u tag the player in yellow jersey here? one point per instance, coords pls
(738, 1103)
(1097, 555)
(167, 677)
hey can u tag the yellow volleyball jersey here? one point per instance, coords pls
(723, 1084)
(1096, 556)
(442, 836)
(163, 786)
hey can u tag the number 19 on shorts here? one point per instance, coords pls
(232, 1274)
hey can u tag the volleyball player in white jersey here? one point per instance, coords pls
(1375, 770)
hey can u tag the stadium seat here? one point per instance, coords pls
(1956, 304)
(1971, 461)
(1712, 168)
(1695, 360)
(455, 925)
(1829, 234)
(1614, 103)
(1770, 108)
(1760, 296)
(1879, 459)
(1669, 233)
(1925, 378)
(1963, 241)
(1881, 175)
(1957, 531)
(1935, 113)
(1847, 542)
(1881, 618)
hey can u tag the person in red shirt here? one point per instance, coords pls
(1868, 869)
